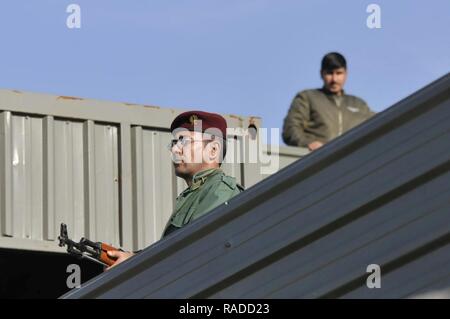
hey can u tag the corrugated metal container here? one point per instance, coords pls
(100, 167)
(46, 163)
(379, 194)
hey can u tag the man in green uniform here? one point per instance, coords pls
(318, 116)
(199, 133)
(198, 148)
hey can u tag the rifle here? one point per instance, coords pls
(86, 249)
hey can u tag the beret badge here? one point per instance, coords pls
(193, 118)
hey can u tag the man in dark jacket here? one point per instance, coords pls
(318, 116)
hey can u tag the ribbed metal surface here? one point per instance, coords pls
(154, 185)
(379, 194)
(58, 171)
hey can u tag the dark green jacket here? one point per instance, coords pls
(209, 189)
(317, 115)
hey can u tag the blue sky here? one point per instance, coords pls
(245, 57)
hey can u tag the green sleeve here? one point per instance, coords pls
(294, 123)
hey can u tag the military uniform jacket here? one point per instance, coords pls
(317, 115)
(209, 189)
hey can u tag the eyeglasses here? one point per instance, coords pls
(182, 141)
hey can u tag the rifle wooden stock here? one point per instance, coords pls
(104, 255)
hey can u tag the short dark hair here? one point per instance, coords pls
(332, 61)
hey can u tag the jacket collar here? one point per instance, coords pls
(327, 92)
(200, 177)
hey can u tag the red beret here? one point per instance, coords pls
(200, 121)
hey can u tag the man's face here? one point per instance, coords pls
(334, 80)
(189, 153)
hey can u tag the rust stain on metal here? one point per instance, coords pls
(253, 120)
(153, 107)
(130, 104)
(237, 117)
(149, 106)
(63, 97)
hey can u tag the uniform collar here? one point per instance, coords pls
(327, 92)
(200, 178)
